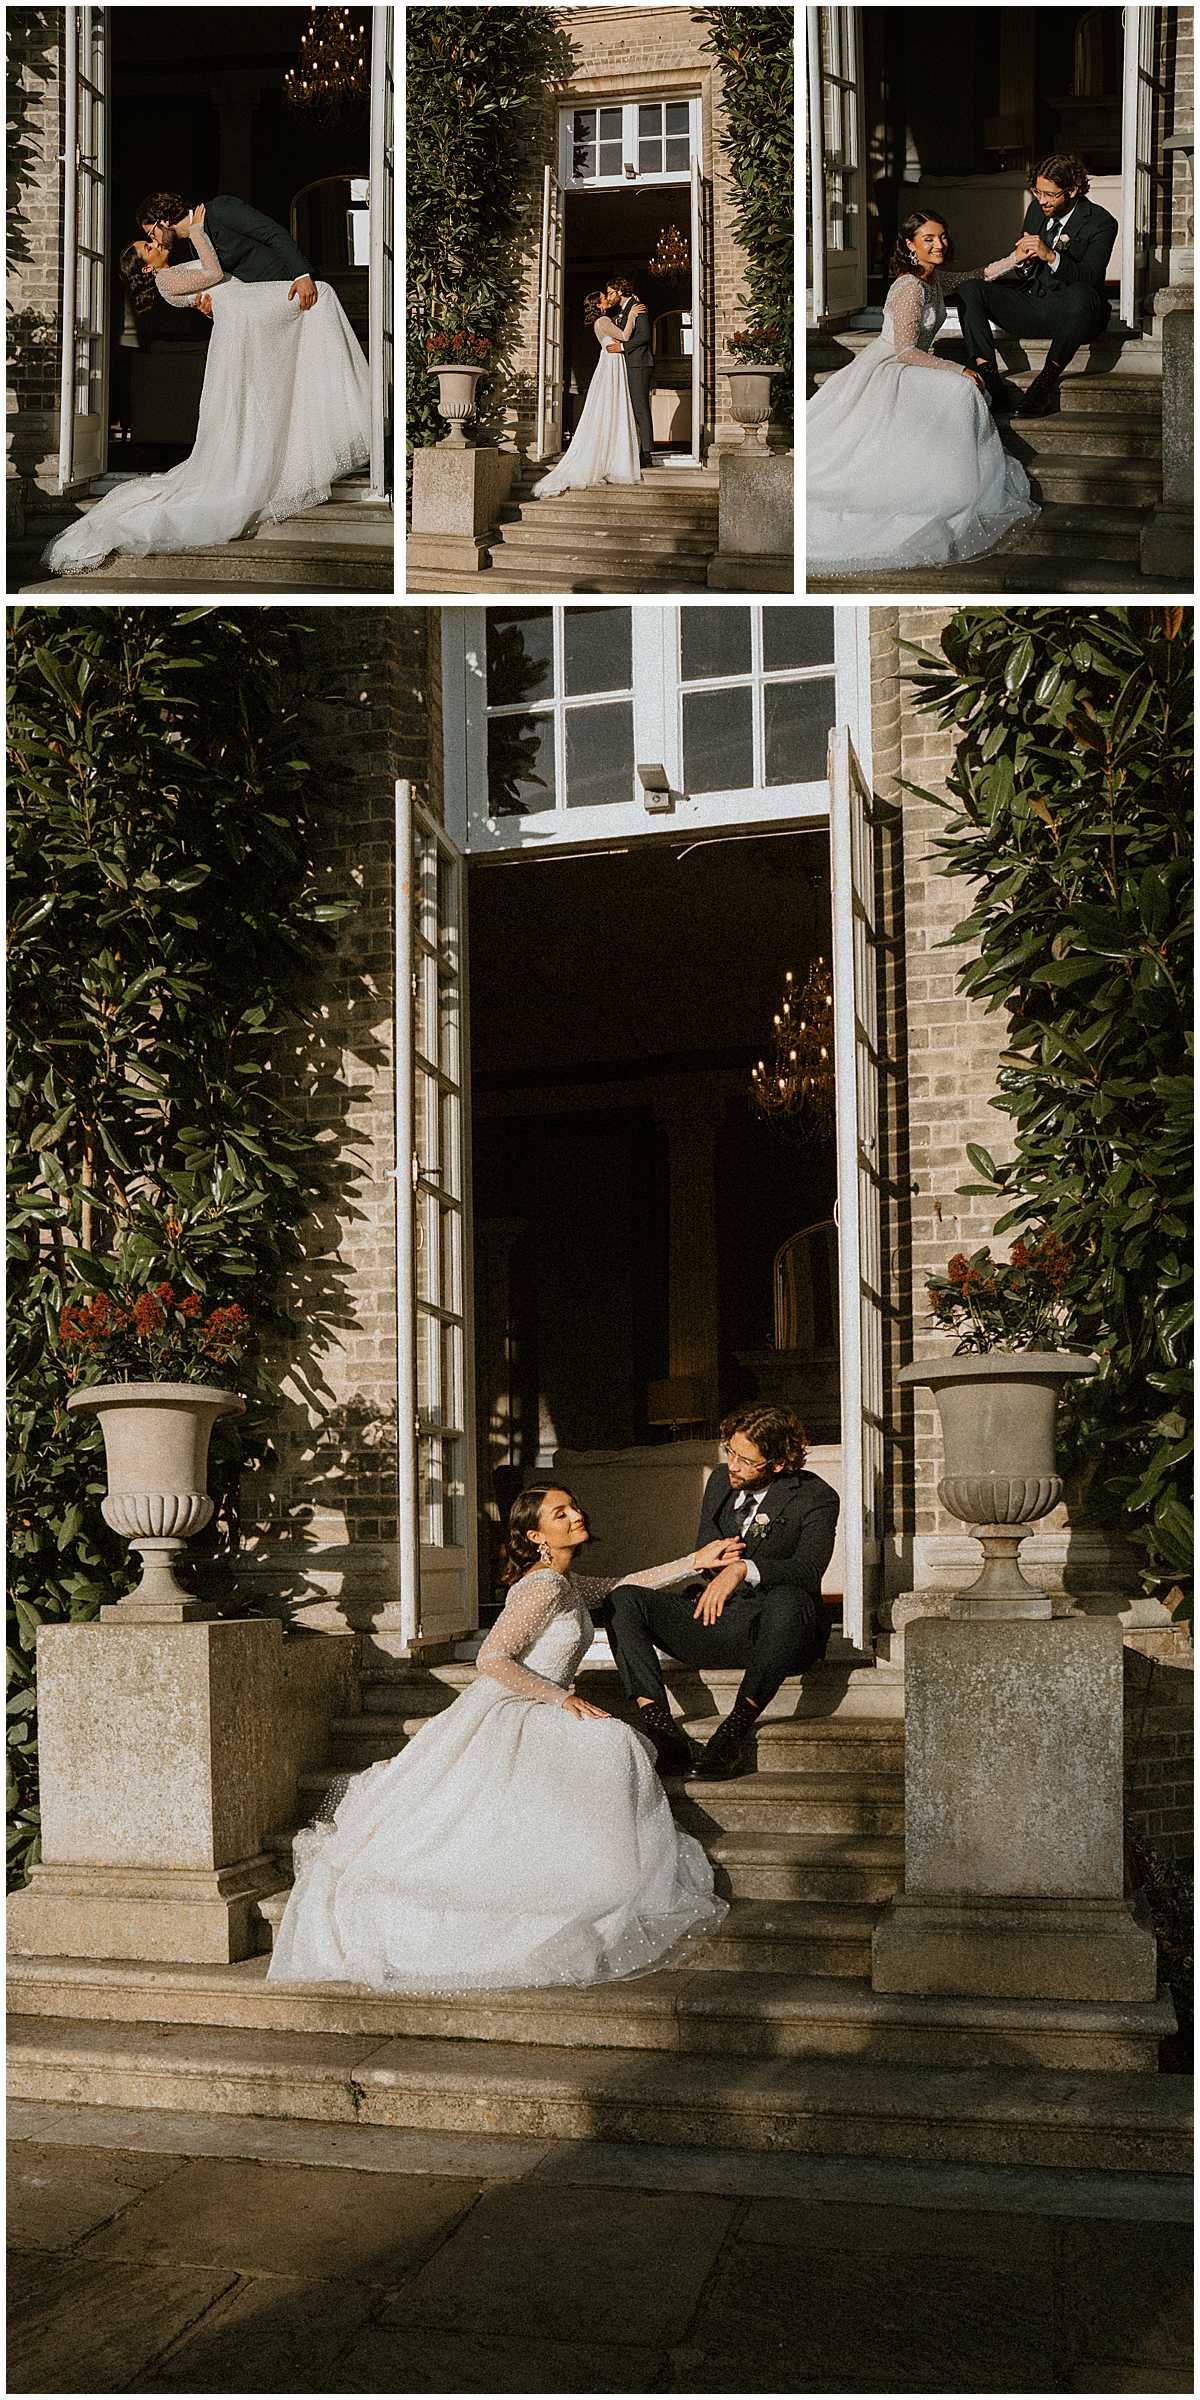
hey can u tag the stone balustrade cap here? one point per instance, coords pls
(969, 1366)
(111, 1395)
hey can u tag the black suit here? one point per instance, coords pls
(639, 367)
(249, 245)
(1063, 305)
(775, 1629)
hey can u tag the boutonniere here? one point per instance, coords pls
(758, 1526)
(1063, 242)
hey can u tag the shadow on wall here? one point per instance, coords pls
(32, 335)
(41, 34)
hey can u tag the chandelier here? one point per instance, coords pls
(332, 69)
(799, 1078)
(671, 256)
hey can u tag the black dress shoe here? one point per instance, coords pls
(672, 1749)
(1042, 398)
(731, 1750)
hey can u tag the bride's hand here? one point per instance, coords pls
(198, 213)
(722, 1553)
(575, 1707)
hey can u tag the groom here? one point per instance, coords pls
(1056, 295)
(248, 245)
(764, 1613)
(639, 361)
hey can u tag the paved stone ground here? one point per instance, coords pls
(186, 2254)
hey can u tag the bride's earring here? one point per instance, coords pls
(543, 1551)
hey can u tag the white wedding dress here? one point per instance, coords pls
(285, 410)
(905, 467)
(604, 445)
(509, 1844)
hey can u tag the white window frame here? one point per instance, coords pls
(630, 172)
(84, 361)
(659, 808)
(381, 241)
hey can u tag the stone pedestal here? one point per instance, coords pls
(1167, 551)
(1013, 1840)
(756, 516)
(457, 496)
(166, 1753)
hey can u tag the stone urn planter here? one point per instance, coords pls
(997, 1411)
(750, 388)
(456, 401)
(156, 1439)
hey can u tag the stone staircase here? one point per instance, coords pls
(656, 537)
(766, 2037)
(345, 545)
(1096, 469)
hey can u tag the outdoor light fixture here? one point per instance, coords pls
(332, 69)
(800, 1076)
(656, 790)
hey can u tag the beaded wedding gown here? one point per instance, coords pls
(509, 1844)
(905, 466)
(285, 410)
(604, 445)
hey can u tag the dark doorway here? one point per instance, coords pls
(621, 233)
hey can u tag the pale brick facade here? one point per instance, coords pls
(653, 53)
(34, 258)
(323, 1530)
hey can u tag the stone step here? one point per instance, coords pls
(666, 542)
(1084, 436)
(993, 2116)
(803, 1747)
(714, 2009)
(1019, 572)
(857, 1698)
(513, 583)
(543, 568)
(1070, 530)
(1100, 483)
(570, 508)
(344, 566)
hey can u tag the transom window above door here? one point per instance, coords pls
(628, 141)
(591, 724)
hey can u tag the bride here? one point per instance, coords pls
(604, 445)
(905, 466)
(522, 1838)
(285, 410)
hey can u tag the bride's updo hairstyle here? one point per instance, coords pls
(521, 1546)
(138, 280)
(901, 261)
(593, 307)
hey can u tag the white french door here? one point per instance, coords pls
(433, 1234)
(381, 256)
(860, 1265)
(83, 380)
(550, 320)
(701, 199)
(1137, 161)
(836, 149)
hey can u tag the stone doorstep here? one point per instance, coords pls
(279, 572)
(1106, 2122)
(1016, 573)
(712, 2009)
(1083, 435)
(1106, 482)
(866, 1695)
(848, 1801)
(805, 1748)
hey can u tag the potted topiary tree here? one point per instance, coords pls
(142, 1362)
(997, 1398)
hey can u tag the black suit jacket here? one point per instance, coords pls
(1084, 249)
(797, 1544)
(249, 245)
(639, 349)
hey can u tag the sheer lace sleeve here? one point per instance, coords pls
(179, 285)
(905, 301)
(606, 331)
(1000, 266)
(527, 1611)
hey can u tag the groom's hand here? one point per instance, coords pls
(612, 345)
(711, 1602)
(1031, 245)
(305, 291)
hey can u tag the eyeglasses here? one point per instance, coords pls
(739, 1458)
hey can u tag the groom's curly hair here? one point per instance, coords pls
(1066, 170)
(160, 208)
(777, 1432)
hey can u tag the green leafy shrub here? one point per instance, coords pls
(756, 51)
(165, 911)
(1071, 814)
(476, 83)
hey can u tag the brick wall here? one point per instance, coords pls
(652, 52)
(323, 1522)
(34, 257)
(1174, 201)
(1160, 1756)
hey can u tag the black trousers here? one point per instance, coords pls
(639, 367)
(771, 1634)
(1063, 318)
